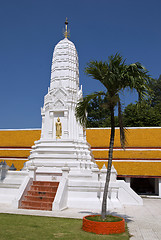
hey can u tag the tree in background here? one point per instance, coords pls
(142, 115)
(115, 75)
(148, 112)
(155, 94)
(97, 112)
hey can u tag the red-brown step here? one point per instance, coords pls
(40, 196)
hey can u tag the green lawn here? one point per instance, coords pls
(20, 227)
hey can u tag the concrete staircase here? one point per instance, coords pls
(40, 196)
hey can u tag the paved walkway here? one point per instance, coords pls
(144, 222)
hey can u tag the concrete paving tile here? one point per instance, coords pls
(136, 233)
(158, 234)
(136, 238)
(148, 234)
(157, 227)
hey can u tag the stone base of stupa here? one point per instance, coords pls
(79, 187)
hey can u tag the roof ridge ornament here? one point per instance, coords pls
(66, 33)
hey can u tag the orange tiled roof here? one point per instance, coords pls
(19, 138)
(136, 137)
(15, 145)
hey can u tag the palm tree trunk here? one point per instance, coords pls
(104, 202)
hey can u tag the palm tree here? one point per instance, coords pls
(115, 75)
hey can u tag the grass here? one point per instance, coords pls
(109, 218)
(21, 227)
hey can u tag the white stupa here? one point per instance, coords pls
(71, 147)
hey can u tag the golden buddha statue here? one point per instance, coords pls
(58, 129)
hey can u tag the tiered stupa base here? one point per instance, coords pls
(50, 156)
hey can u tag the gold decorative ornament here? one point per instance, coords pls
(66, 33)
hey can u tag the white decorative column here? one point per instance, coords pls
(128, 181)
(66, 127)
(160, 187)
(32, 172)
(51, 114)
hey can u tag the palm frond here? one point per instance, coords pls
(138, 78)
(97, 70)
(81, 108)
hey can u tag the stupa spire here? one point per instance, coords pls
(66, 33)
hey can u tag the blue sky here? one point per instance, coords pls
(29, 30)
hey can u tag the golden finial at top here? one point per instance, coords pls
(66, 33)
(66, 21)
